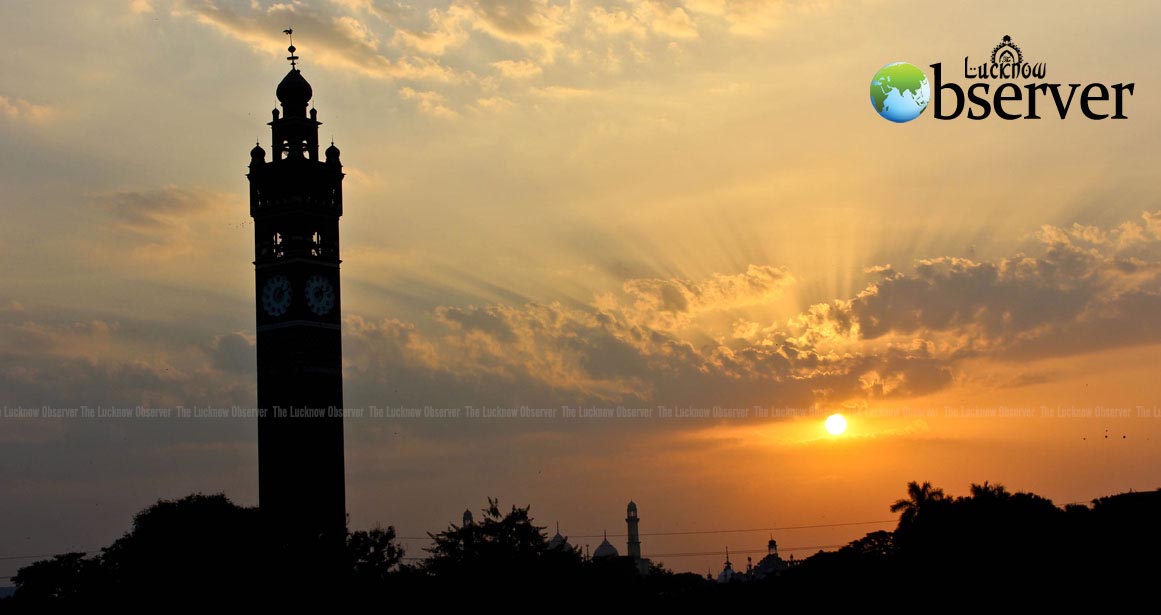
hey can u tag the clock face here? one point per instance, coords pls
(276, 295)
(320, 294)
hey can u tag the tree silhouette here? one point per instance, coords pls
(498, 541)
(989, 492)
(202, 550)
(919, 498)
(66, 580)
(374, 554)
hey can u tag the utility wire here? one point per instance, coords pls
(731, 531)
(709, 553)
(601, 535)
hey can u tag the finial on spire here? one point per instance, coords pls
(293, 58)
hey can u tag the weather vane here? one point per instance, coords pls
(293, 58)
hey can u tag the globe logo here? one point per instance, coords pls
(900, 92)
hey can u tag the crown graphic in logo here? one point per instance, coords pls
(1007, 52)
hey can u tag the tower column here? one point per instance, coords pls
(296, 202)
(631, 520)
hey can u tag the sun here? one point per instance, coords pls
(835, 424)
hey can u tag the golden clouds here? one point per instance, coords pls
(343, 42)
(902, 336)
(18, 109)
(472, 50)
(446, 30)
(429, 102)
(517, 69)
(671, 304)
(642, 17)
(164, 222)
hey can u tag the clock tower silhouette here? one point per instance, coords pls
(296, 200)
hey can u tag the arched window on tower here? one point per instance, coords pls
(278, 247)
(316, 247)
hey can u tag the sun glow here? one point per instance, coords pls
(835, 424)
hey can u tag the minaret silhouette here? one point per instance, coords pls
(634, 538)
(296, 200)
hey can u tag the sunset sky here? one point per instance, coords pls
(587, 203)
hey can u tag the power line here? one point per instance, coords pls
(601, 535)
(741, 551)
(730, 531)
(754, 529)
(710, 553)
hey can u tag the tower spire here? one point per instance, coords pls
(293, 58)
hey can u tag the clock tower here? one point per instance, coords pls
(296, 199)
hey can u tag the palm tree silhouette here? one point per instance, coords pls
(919, 498)
(989, 492)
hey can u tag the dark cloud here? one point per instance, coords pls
(234, 353)
(151, 212)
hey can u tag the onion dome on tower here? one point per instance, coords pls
(293, 91)
(332, 154)
(257, 155)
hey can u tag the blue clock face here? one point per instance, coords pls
(276, 295)
(320, 295)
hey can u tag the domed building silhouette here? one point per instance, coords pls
(606, 549)
(558, 542)
(727, 574)
(607, 554)
(770, 565)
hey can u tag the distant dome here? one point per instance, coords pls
(559, 542)
(332, 152)
(727, 574)
(605, 550)
(632, 507)
(294, 92)
(258, 153)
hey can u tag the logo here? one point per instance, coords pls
(900, 92)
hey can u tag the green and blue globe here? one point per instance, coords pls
(900, 92)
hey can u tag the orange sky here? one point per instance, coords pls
(583, 203)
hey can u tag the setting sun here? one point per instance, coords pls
(836, 424)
